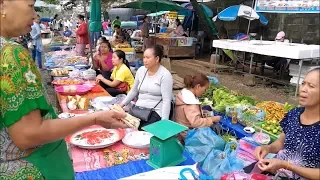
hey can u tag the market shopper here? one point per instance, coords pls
(116, 22)
(164, 23)
(188, 111)
(102, 61)
(298, 147)
(152, 86)
(36, 41)
(82, 38)
(145, 33)
(121, 78)
(32, 145)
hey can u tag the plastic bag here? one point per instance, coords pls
(220, 162)
(200, 142)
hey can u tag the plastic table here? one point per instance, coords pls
(124, 170)
(236, 129)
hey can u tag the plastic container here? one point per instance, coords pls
(257, 127)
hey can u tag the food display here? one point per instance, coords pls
(60, 72)
(275, 112)
(163, 35)
(129, 120)
(77, 102)
(222, 98)
(116, 44)
(67, 82)
(95, 137)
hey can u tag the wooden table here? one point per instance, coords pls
(89, 95)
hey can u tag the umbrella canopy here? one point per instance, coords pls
(153, 5)
(95, 16)
(231, 13)
(157, 13)
(43, 4)
(205, 9)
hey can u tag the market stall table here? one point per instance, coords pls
(176, 46)
(61, 99)
(301, 52)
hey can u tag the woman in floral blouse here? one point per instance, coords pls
(30, 136)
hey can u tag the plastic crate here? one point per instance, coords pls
(131, 56)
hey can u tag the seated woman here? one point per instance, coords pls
(118, 34)
(102, 61)
(188, 110)
(298, 147)
(152, 86)
(179, 31)
(121, 78)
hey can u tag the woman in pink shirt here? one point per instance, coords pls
(103, 60)
(180, 31)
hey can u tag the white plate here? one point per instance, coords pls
(137, 139)
(66, 115)
(76, 139)
(103, 102)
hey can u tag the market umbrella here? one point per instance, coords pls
(157, 13)
(205, 9)
(44, 4)
(154, 5)
(231, 13)
(95, 16)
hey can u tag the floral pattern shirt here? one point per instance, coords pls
(21, 91)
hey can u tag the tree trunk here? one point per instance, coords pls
(202, 20)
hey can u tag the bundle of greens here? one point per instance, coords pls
(222, 97)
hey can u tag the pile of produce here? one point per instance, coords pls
(275, 112)
(221, 97)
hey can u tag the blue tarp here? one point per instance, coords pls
(123, 170)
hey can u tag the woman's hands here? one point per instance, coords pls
(261, 152)
(99, 78)
(215, 119)
(272, 165)
(110, 119)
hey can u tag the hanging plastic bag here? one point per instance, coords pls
(220, 162)
(200, 142)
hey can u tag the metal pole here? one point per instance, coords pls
(215, 60)
(251, 61)
(298, 83)
(252, 6)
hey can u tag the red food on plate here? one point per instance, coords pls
(96, 136)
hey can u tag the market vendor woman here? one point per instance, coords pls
(298, 147)
(31, 138)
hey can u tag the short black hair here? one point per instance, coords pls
(80, 17)
(66, 27)
(117, 17)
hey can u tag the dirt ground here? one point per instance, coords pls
(234, 82)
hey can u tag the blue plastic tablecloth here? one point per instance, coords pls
(237, 129)
(123, 170)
